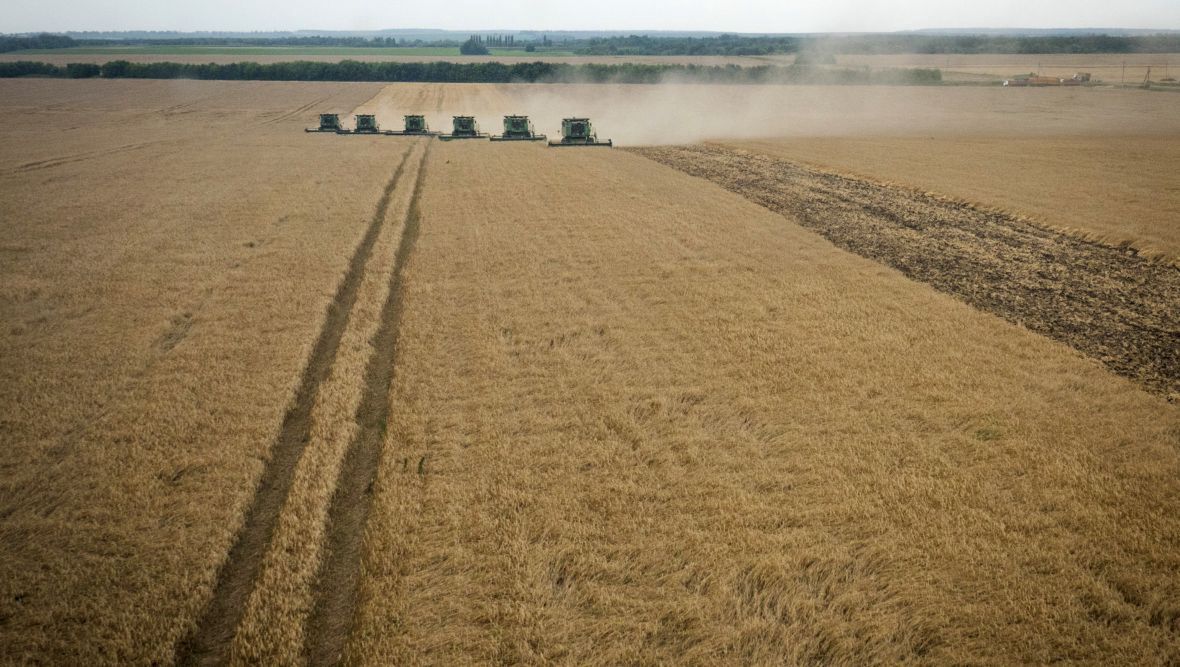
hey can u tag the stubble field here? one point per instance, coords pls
(280, 397)
(1120, 188)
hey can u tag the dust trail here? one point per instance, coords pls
(332, 618)
(211, 640)
(1106, 302)
(678, 113)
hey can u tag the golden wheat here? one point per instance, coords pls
(638, 419)
(168, 256)
(635, 418)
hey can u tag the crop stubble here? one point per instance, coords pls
(1107, 186)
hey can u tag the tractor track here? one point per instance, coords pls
(1106, 302)
(296, 112)
(80, 157)
(210, 642)
(338, 580)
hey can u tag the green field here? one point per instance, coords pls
(280, 51)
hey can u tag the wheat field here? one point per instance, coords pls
(286, 398)
(659, 424)
(169, 251)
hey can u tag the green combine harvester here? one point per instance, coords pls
(579, 132)
(518, 128)
(464, 127)
(415, 126)
(366, 123)
(329, 122)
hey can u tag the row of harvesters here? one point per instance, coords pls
(574, 131)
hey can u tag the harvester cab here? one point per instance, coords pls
(579, 132)
(329, 122)
(415, 125)
(518, 128)
(366, 124)
(463, 127)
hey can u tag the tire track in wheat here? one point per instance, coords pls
(273, 627)
(337, 584)
(210, 641)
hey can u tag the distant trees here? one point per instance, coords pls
(502, 41)
(49, 41)
(739, 45)
(43, 41)
(9, 70)
(967, 44)
(721, 45)
(473, 47)
(483, 72)
(83, 70)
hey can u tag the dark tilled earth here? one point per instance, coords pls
(1108, 303)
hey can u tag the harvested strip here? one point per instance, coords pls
(272, 629)
(211, 641)
(1106, 302)
(332, 617)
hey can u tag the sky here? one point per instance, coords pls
(638, 15)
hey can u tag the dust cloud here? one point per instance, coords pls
(672, 113)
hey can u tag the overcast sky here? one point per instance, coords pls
(730, 15)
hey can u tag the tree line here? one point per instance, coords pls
(970, 44)
(9, 43)
(491, 72)
(722, 45)
(738, 45)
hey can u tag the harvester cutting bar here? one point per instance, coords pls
(557, 144)
(579, 132)
(518, 128)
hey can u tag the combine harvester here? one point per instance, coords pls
(463, 127)
(574, 131)
(329, 122)
(518, 128)
(366, 123)
(415, 126)
(579, 132)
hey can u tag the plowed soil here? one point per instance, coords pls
(1105, 301)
